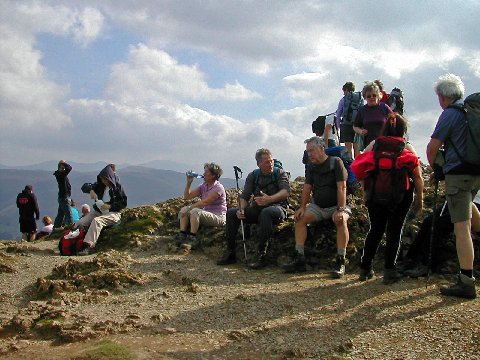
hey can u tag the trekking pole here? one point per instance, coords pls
(432, 229)
(238, 170)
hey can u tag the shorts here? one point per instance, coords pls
(324, 213)
(460, 191)
(28, 225)
(346, 133)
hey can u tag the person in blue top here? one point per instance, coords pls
(461, 181)
(73, 209)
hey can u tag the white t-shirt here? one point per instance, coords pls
(330, 121)
(47, 229)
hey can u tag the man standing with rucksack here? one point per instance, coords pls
(346, 113)
(455, 130)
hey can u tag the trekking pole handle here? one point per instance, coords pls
(237, 170)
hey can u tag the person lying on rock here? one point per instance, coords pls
(210, 210)
(110, 199)
(264, 202)
(327, 179)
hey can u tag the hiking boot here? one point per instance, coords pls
(227, 258)
(464, 288)
(406, 265)
(366, 274)
(187, 244)
(196, 243)
(179, 238)
(260, 263)
(417, 271)
(391, 276)
(297, 264)
(339, 268)
(87, 251)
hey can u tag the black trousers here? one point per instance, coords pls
(265, 217)
(385, 220)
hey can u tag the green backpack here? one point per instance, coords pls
(471, 109)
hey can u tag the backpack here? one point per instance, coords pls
(71, 243)
(386, 185)
(341, 151)
(353, 101)
(318, 125)
(395, 100)
(471, 109)
(277, 165)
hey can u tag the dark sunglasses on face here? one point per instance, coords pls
(371, 96)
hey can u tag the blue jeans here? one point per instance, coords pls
(64, 213)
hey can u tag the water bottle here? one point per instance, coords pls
(194, 174)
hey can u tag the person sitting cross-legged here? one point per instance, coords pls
(269, 189)
(326, 178)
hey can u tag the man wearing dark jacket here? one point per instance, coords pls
(64, 213)
(110, 199)
(28, 211)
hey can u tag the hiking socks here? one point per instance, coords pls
(468, 273)
(300, 249)
(341, 252)
(183, 232)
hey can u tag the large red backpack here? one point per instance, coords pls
(388, 182)
(71, 243)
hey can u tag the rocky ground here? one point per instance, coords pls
(140, 297)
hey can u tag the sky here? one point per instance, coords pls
(212, 81)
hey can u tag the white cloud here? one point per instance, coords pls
(84, 25)
(153, 76)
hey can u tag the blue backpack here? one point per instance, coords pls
(341, 151)
(353, 101)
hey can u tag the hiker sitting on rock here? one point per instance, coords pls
(269, 188)
(109, 200)
(326, 178)
(210, 210)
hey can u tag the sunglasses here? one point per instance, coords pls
(371, 96)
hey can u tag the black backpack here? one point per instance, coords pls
(318, 125)
(471, 109)
(395, 100)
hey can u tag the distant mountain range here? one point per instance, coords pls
(143, 185)
(51, 165)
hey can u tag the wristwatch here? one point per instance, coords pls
(341, 208)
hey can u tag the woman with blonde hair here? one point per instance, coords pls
(47, 228)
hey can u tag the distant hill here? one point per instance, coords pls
(51, 165)
(143, 185)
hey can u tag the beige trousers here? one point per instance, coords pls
(95, 222)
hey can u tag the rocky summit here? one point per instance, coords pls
(141, 297)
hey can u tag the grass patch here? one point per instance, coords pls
(108, 350)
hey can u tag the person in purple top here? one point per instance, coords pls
(210, 210)
(372, 116)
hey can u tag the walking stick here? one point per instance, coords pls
(238, 170)
(432, 229)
